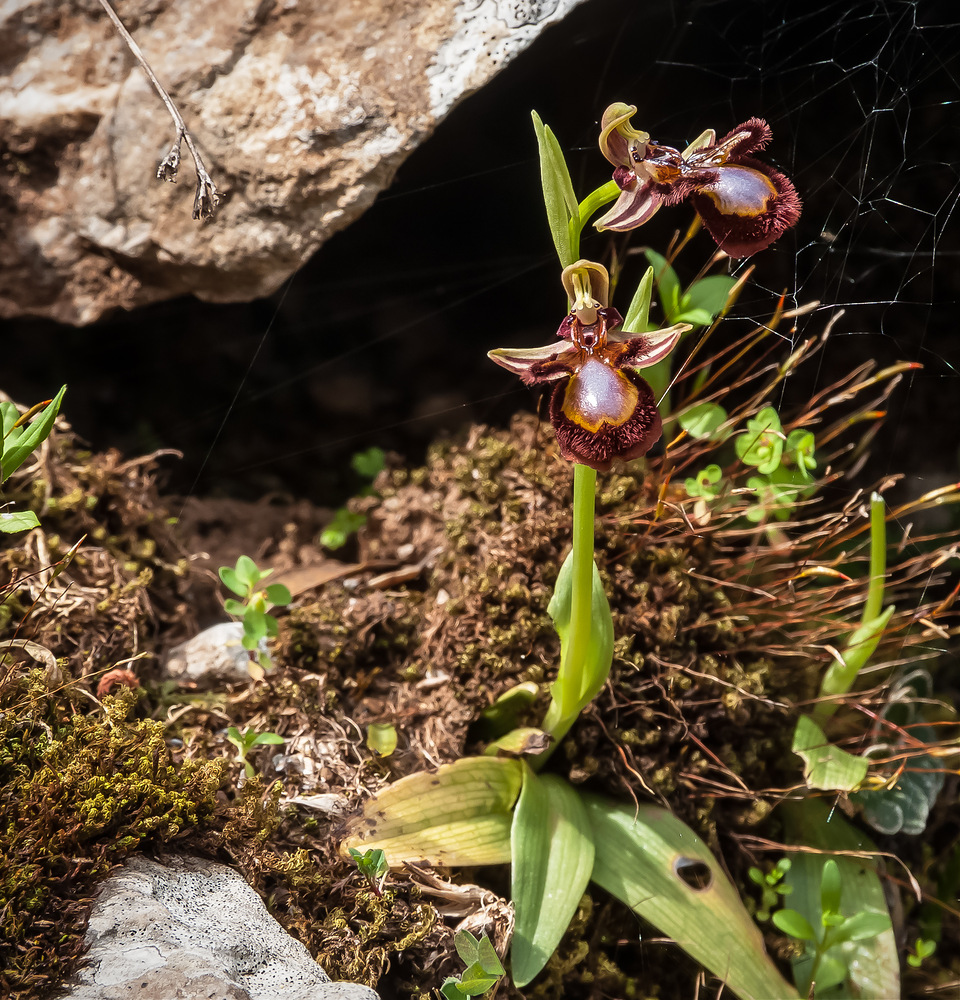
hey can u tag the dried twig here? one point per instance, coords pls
(207, 199)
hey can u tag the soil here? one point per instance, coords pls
(723, 628)
(439, 605)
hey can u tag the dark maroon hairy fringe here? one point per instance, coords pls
(598, 450)
(741, 236)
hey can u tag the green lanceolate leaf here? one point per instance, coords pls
(873, 964)
(637, 319)
(825, 766)
(668, 284)
(577, 686)
(558, 195)
(662, 870)
(19, 442)
(266, 738)
(459, 815)
(859, 648)
(553, 855)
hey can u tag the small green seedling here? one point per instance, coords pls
(245, 580)
(246, 741)
(825, 964)
(784, 462)
(21, 434)
(771, 887)
(483, 968)
(367, 465)
(381, 738)
(373, 866)
(922, 949)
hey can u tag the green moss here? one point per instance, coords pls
(78, 793)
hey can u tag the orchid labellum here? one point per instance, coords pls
(744, 203)
(600, 407)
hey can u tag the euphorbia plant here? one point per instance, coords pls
(495, 809)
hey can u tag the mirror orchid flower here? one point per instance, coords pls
(601, 407)
(744, 203)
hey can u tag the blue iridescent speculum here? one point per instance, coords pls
(601, 407)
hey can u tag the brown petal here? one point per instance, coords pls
(635, 206)
(536, 365)
(642, 350)
(750, 137)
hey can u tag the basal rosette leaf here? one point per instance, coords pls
(657, 865)
(552, 845)
(458, 815)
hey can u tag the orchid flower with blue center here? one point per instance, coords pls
(744, 203)
(601, 407)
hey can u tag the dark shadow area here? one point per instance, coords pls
(381, 338)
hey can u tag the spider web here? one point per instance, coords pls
(383, 335)
(381, 338)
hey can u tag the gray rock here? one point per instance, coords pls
(194, 930)
(302, 111)
(211, 658)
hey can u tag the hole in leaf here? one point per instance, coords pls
(693, 873)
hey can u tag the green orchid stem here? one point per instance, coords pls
(567, 700)
(594, 201)
(840, 677)
(878, 558)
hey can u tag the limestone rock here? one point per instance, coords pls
(302, 112)
(194, 929)
(211, 658)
